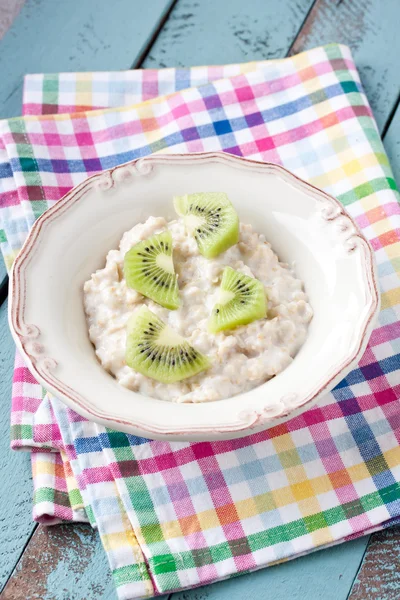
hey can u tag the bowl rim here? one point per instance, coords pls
(25, 335)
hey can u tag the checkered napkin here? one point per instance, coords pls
(175, 515)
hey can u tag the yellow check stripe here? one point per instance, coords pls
(304, 493)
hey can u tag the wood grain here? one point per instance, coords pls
(217, 32)
(9, 9)
(379, 576)
(15, 471)
(323, 575)
(370, 28)
(65, 562)
(52, 36)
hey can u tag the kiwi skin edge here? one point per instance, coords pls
(242, 301)
(149, 269)
(211, 219)
(154, 349)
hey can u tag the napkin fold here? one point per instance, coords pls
(175, 515)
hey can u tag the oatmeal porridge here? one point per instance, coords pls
(242, 358)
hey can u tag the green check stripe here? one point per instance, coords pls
(21, 432)
(75, 498)
(130, 573)
(44, 494)
(53, 495)
(366, 189)
(29, 167)
(169, 563)
(50, 89)
(333, 51)
(90, 515)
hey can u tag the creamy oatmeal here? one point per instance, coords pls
(242, 358)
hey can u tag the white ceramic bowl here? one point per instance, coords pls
(71, 240)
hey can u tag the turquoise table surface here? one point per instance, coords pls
(67, 562)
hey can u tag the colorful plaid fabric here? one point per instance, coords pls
(176, 515)
(75, 92)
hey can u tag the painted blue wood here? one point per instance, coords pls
(379, 574)
(9, 10)
(72, 566)
(90, 576)
(324, 575)
(392, 144)
(79, 35)
(370, 28)
(15, 472)
(217, 32)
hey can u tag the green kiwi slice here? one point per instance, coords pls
(211, 219)
(241, 301)
(149, 269)
(156, 350)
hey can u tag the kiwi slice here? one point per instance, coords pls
(149, 269)
(211, 219)
(156, 350)
(241, 301)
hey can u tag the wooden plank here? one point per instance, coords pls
(392, 144)
(327, 574)
(379, 575)
(9, 9)
(74, 36)
(210, 32)
(371, 31)
(15, 472)
(78, 35)
(65, 562)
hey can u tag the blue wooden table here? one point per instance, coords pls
(67, 562)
